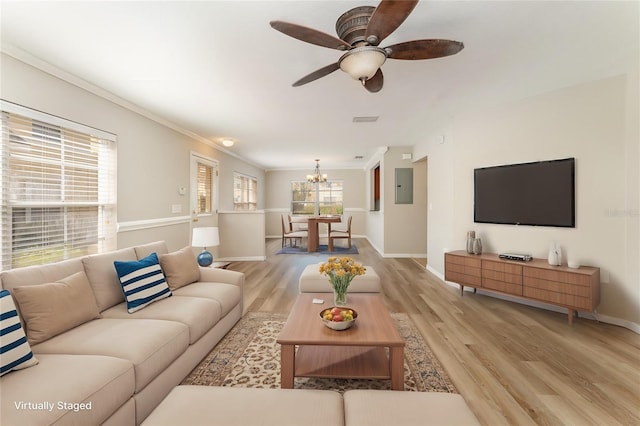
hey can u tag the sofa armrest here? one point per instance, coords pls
(217, 275)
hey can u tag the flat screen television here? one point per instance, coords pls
(540, 194)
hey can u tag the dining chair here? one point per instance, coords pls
(290, 234)
(340, 231)
(298, 223)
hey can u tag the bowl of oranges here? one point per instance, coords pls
(338, 318)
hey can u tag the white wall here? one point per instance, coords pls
(597, 123)
(241, 235)
(405, 228)
(153, 159)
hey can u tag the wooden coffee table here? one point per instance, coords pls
(356, 353)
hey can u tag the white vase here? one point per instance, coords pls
(471, 235)
(559, 255)
(553, 255)
(477, 246)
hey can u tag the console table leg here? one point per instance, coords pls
(461, 290)
(287, 366)
(571, 313)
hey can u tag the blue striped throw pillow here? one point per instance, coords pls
(142, 282)
(15, 352)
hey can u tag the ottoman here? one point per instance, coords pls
(312, 281)
(226, 406)
(385, 408)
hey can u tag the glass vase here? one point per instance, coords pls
(339, 297)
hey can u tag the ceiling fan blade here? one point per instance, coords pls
(424, 49)
(309, 35)
(388, 16)
(374, 84)
(317, 74)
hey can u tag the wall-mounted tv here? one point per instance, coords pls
(540, 193)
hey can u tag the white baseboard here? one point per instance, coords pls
(381, 252)
(405, 255)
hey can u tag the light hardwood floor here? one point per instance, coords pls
(513, 364)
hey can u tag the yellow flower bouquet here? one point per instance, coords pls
(341, 271)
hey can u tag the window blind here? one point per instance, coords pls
(204, 188)
(58, 182)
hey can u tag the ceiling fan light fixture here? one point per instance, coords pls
(361, 63)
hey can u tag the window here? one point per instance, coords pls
(316, 198)
(58, 185)
(245, 192)
(204, 188)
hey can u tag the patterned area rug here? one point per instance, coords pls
(322, 248)
(248, 356)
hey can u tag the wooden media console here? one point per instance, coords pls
(577, 289)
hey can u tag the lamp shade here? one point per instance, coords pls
(205, 237)
(362, 63)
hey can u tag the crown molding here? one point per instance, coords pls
(73, 79)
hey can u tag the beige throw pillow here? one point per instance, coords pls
(53, 308)
(180, 268)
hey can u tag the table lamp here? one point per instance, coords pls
(205, 237)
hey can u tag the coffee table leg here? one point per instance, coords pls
(396, 367)
(287, 366)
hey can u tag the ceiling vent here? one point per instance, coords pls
(366, 119)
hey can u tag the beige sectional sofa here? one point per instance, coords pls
(112, 367)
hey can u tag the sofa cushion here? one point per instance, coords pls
(142, 282)
(104, 382)
(150, 345)
(226, 406)
(103, 277)
(386, 407)
(15, 351)
(227, 295)
(158, 247)
(53, 308)
(40, 274)
(199, 314)
(180, 268)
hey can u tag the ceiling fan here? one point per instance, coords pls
(360, 30)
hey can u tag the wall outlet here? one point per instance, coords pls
(176, 208)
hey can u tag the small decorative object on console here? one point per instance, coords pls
(338, 318)
(555, 254)
(341, 270)
(477, 246)
(471, 235)
(515, 256)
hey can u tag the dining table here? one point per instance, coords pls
(314, 238)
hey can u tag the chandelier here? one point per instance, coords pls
(316, 176)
